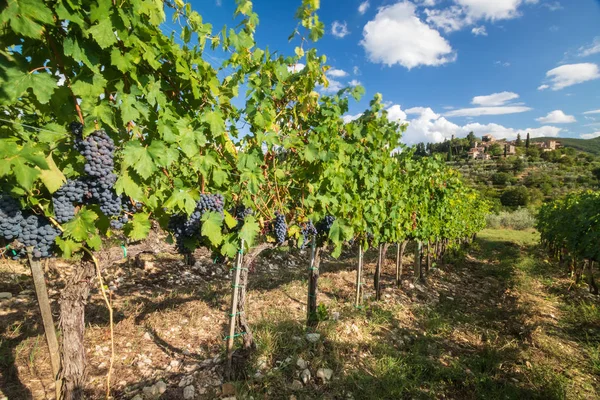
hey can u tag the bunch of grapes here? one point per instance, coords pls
(325, 224)
(280, 228)
(241, 212)
(98, 149)
(28, 230)
(184, 227)
(308, 232)
(73, 191)
(177, 227)
(10, 217)
(38, 233)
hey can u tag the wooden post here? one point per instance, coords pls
(377, 276)
(313, 279)
(234, 305)
(399, 255)
(358, 276)
(428, 256)
(41, 291)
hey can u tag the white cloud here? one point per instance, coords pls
(590, 49)
(363, 7)
(447, 19)
(354, 82)
(339, 29)
(479, 31)
(296, 67)
(397, 36)
(554, 6)
(571, 74)
(337, 73)
(479, 111)
(543, 87)
(356, 70)
(494, 99)
(347, 118)
(590, 135)
(592, 112)
(556, 117)
(395, 113)
(492, 9)
(504, 64)
(428, 126)
(333, 87)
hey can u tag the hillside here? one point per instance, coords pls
(591, 146)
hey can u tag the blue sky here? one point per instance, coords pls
(451, 66)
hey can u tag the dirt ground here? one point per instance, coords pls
(497, 320)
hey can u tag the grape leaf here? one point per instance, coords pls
(139, 227)
(52, 177)
(211, 227)
(249, 230)
(25, 174)
(81, 226)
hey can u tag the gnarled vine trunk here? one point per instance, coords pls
(73, 300)
(418, 265)
(243, 326)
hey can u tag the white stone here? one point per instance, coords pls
(138, 397)
(301, 363)
(335, 315)
(147, 336)
(324, 374)
(186, 380)
(313, 337)
(5, 295)
(305, 376)
(161, 387)
(189, 392)
(296, 385)
(150, 392)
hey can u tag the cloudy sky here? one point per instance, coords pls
(453, 66)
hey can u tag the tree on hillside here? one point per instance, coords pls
(495, 149)
(471, 139)
(515, 197)
(527, 141)
(596, 173)
(420, 150)
(518, 142)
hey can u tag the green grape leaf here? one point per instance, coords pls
(94, 242)
(229, 220)
(249, 230)
(103, 33)
(67, 246)
(52, 177)
(82, 225)
(211, 227)
(25, 174)
(139, 227)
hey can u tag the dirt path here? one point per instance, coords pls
(496, 322)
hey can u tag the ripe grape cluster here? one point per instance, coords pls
(308, 232)
(280, 228)
(185, 228)
(325, 224)
(72, 192)
(28, 230)
(241, 212)
(98, 184)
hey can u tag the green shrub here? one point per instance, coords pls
(520, 219)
